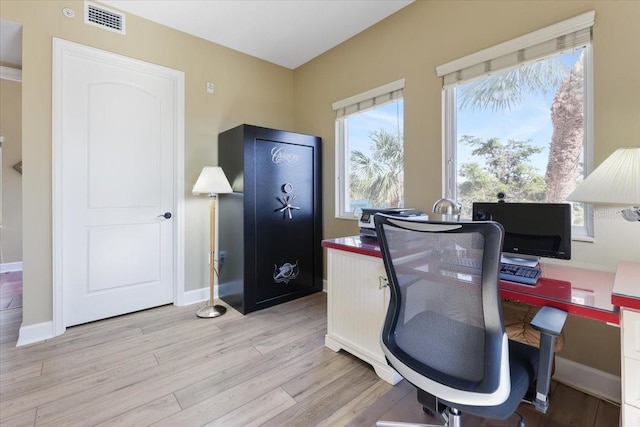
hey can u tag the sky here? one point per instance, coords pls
(530, 121)
(388, 116)
(527, 122)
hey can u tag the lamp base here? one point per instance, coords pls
(631, 214)
(209, 311)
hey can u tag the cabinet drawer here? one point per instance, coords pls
(631, 333)
(631, 416)
(632, 382)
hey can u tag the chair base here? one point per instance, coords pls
(452, 418)
(399, 424)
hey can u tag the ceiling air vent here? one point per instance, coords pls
(104, 18)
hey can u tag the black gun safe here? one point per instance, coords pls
(270, 227)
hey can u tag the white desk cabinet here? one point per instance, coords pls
(630, 327)
(356, 307)
(626, 294)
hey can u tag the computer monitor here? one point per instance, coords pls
(531, 229)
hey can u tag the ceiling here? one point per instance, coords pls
(284, 32)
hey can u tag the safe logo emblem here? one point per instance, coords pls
(285, 273)
(280, 155)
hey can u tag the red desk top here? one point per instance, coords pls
(579, 291)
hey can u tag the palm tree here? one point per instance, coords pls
(379, 177)
(506, 90)
(568, 135)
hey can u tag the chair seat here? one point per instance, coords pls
(440, 349)
(523, 371)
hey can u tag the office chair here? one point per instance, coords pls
(443, 330)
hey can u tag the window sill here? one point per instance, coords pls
(585, 239)
(352, 218)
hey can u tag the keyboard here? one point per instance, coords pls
(519, 273)
(463, 265)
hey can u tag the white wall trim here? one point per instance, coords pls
(10, 266)
(8, 73)
(179, 217)
(56, 184)
(589, 380)
(194, 297)
(43, 331)
(35, 333)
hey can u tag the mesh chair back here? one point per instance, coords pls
(444, 322)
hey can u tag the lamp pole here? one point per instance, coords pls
(212, 310)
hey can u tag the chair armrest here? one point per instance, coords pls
(549, 320)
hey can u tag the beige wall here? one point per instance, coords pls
(411, 43)
(247, 90)
(11, 129)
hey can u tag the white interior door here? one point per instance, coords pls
(116, 127)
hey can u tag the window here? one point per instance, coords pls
(369, 150)
(518, 119)
(1, 141)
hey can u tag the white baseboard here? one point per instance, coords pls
(35, 333)
(43, 331)
(194, 297)
(202, 294)
(589, 380)
(10, 266)
(10, 73)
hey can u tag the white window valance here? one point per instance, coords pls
(560, 37)
(369, 99)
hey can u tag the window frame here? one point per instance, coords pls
(342, 177)
(341, 131)
(449, 108)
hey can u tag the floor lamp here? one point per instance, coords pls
(211, 181)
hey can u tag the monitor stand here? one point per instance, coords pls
(519, 259)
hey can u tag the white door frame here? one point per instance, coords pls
(60, 49)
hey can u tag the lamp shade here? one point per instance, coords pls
(615, 181)
(212, 181)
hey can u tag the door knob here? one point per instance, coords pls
(166, 215)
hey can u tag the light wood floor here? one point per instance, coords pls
(167, 367)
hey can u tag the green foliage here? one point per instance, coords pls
(508, 89)
(506, 168)
(379, 177)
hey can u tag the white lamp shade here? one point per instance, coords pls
(212, 181)
(615, 181)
